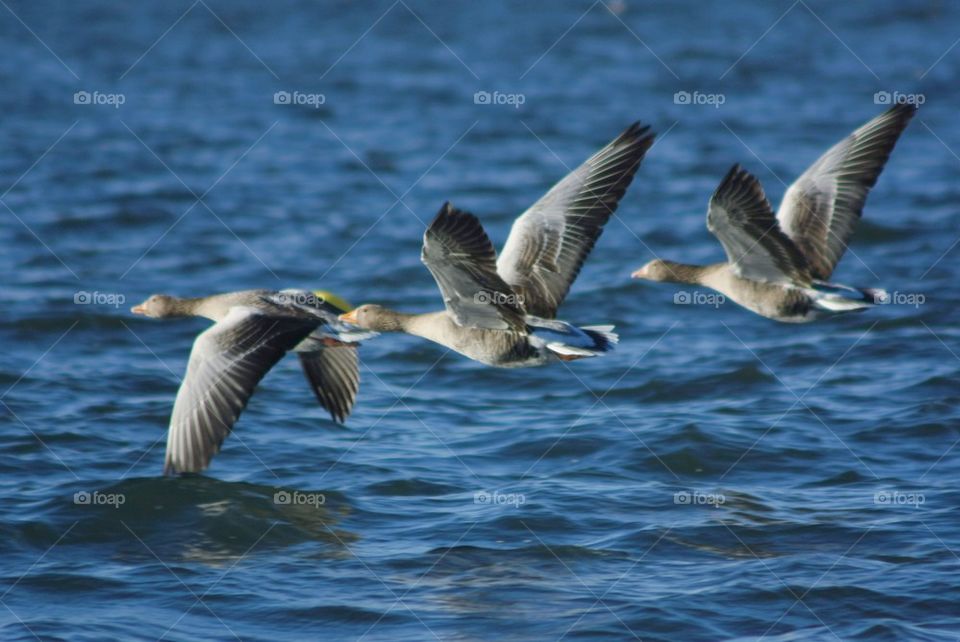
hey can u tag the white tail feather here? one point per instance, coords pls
(571, 351)
(841, 304)
(606, 331)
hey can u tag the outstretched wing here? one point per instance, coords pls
(334, 375)
(742, 220)
(462, 260)
(227, 362)
(820, 210)
(550, 241)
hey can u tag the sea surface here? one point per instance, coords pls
(718, 477)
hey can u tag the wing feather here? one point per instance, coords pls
(334, 376)
(549, 243)
(227, 362)
(820, 210)
(742, 220)
(462, 260)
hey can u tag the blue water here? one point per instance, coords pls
(719, 476)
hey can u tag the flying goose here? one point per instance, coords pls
(779, 266)
(253, 329)
(502, 312)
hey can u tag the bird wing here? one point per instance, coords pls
(227, 362)
(462, 260)
(334, 376)
(549, 243)
(742, 220)
(820, 210)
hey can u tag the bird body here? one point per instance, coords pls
(501, 311)
(542, 341)
(252, 331)
(779, 266)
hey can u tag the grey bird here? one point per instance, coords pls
(780, 266)
(502, 311)
(253, 330)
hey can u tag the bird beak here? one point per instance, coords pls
(638, 274)
(349, 317)
(138, 309)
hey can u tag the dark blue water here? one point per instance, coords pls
(720, 476)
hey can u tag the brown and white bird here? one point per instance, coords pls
(779, 266)
(502, 311)
(252, 331)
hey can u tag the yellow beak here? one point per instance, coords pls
(349, 317)
(334, 300)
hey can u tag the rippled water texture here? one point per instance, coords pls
(719, 476)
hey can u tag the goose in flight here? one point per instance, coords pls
(502, 311)
(779, 266)
(252, 331)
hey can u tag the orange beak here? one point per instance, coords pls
(349, 317)
(637, 274)
(138, 309)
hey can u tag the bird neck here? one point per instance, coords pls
(388, 320)
(688, 274)
(196, 307)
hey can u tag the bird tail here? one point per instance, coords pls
(835, 297)
(598, 339)
(604, 338)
